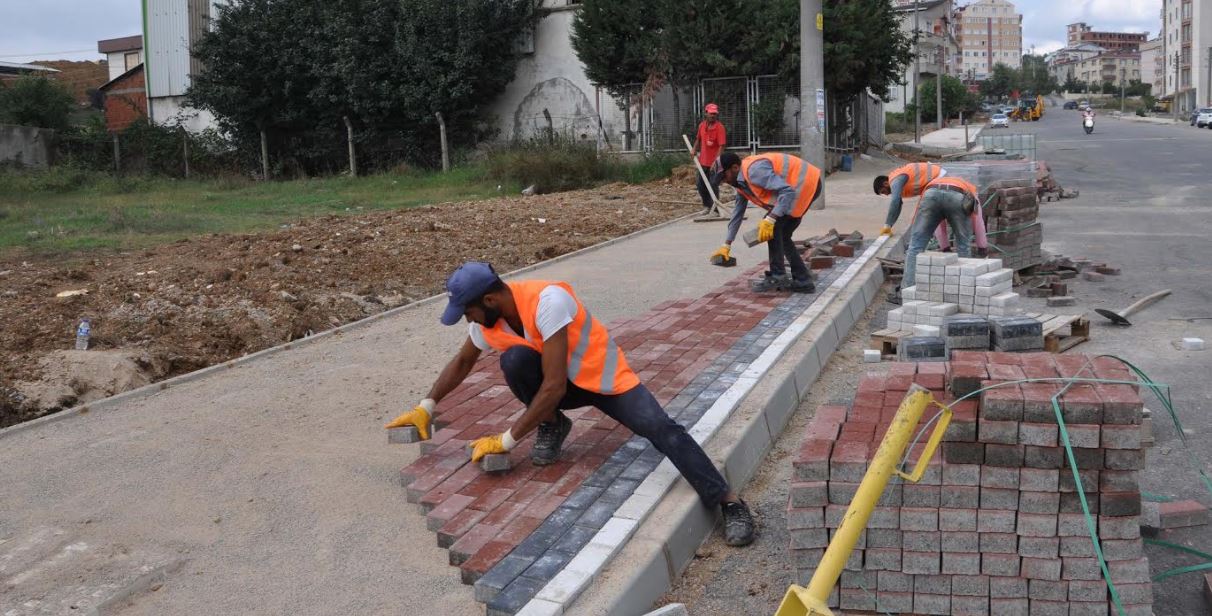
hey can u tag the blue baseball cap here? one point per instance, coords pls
(467, 284)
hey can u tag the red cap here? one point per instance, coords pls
(711, 108)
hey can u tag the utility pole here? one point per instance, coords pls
(1123, 76)
(812, 83)
(917, 76)
(938, 90)
(1209, 76)
(1174, 97)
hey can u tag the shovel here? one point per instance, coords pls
(1121, 317)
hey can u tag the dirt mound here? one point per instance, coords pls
(198, 302)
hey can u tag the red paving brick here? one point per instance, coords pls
(484, 516)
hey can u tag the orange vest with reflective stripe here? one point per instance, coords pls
(798, 174)
(920, 174)
(595, 362)
(956, 182)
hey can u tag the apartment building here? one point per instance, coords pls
(1114, 41)
(990, 32)
(1187, 46)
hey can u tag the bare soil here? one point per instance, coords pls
(194, 303)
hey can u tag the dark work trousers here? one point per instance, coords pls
(781, 247)
(637, 409)
(715, 186)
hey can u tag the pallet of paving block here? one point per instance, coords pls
(886, 340)
(1058, 341)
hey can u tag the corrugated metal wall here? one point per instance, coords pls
(173, 26)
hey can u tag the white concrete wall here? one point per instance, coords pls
(116, 62)
(552, 78)
(172, 111)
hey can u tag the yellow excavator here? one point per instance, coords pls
(1028, 109)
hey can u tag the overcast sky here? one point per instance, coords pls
(70, 29)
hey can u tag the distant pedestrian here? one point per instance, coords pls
(709, 142)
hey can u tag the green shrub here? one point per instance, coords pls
(563, 163)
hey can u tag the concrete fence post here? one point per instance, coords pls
(117, 157)
(442, 136)
(349, 140)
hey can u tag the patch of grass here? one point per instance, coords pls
(563, 163)
(67, 210)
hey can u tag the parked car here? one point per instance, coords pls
(999, 120)
(986, 107)
(1204, 117)
(1083, 105)
(1006, 109)
(1070, 104)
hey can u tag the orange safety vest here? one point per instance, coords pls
(595, 362)
(956, 182)
(798, 173)
(920, 174)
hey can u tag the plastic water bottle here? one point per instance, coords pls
(82, 332)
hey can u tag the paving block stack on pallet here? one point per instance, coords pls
(946, 284)
(1011, 210)
(996, 525)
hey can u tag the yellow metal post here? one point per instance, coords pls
(813, 600)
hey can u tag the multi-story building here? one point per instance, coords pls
(1113, 67)
(990, 32)
(1062, 63)
(122, 54)
(1152, 65)
(937, 45)
(1115, 41)
(1187, 45)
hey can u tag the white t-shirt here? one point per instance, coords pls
(556, 309)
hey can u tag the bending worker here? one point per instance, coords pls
(785, 186)
(902, 183)
(945, 198)
(555, 357)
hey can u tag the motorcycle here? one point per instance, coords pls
(1088, 124)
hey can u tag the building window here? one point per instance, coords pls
(130, 60)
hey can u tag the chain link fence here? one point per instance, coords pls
(759, 113)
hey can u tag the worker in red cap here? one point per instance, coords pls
(709, 142)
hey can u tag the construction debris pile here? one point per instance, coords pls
(997, 525)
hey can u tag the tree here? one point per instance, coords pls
(623, 42)
(1001, 82)
(956, 97)
(865, 48)
(298, 68)
(1036, 77)
(36, 101)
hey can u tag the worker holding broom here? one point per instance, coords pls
(785, 186)
(556, 356)
(709, 141)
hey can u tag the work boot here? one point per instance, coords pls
(770, 283)
(738, 524)
(549, 440)
(802, 286)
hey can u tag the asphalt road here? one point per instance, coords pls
(1141, 208)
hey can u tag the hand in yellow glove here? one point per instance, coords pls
(497, 443)
(886, 230)
(724, 251)
(766, 229)
(419, 417)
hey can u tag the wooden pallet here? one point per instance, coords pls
(886, 340)
(1058, 341)
(1055, 340)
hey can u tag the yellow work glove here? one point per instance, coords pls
(419, 417)
(724, 251)
(497, 443)
(886, 230)
(766, 229)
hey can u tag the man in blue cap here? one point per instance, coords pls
(556, 356)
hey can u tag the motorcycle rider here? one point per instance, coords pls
(1088, 116)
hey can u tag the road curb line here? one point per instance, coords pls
(148, 390)
(663, 555)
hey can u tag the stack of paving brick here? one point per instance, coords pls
(1011, 210)
(996, 525)
(975, 286)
